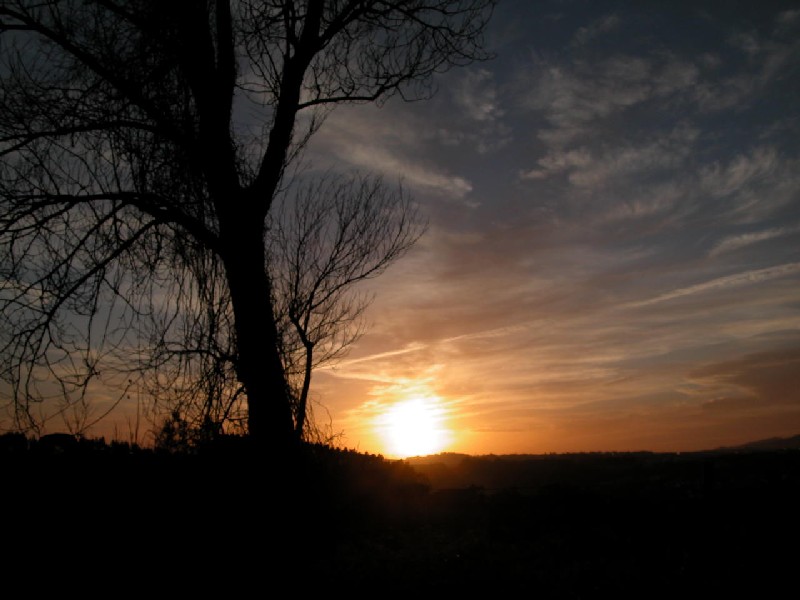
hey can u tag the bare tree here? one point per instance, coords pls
(190, 363)
(125, 163)
(327, 237)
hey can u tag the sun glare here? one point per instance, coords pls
(414, 427)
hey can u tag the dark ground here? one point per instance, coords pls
(117, 521)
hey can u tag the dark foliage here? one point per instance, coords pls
(573, 526)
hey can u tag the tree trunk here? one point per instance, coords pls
(303, 402)
(260, 369)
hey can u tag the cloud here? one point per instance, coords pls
(576, 97)
(742, 240)
(588, 168)
(752, 186)
(470, 114)
(573, 96)
(746, 42)
(601, 26)
(399, 148)
(728, 403)
(558, 162)
(764, 61)
(584, 92)
(662, 199)
(675, 76)
(722, 283)
(477, 96)
(788, 18)
(378, 159)
(413, 347)
(666, 153)
(658, 171)
(745, 169)
(765, 378)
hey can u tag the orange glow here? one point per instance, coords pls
(414, 427)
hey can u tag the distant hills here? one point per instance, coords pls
(770, 444)
(720, 467)
(790, 443)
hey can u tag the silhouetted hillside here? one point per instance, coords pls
(532, 472)
(642, 525)
(790, 443)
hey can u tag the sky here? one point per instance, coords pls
(612, 261)
(612, 258)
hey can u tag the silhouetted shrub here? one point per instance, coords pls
(13, 443)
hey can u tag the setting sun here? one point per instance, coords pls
(414, 427)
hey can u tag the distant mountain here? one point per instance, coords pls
(455, 458)
(790, 443)
(721, 468)
(445, 458)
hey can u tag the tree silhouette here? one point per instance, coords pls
(325, 235)
(127, 171)
(334, 234)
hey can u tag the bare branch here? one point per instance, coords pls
(137, 231)
(331, 234)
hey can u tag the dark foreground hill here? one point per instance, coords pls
(120, 521)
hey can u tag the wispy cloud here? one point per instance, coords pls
(755, 185)
(788, 18)
(558, 162)
(588, 168)
(477, 95)
(753, 381)
(413, 347)
(735, 242)
(745, 169)
(378, 159)
(600, 27)
(635, 244)
(399, 149)
(578, 96)
(473, 115)
(723, 283)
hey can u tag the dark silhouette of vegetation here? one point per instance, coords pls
(144, 146)
(581, 525)
(336, 233)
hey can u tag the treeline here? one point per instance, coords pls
(619, 472)
(564, 526)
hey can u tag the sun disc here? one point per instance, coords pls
(414, 427)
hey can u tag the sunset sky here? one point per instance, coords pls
(612, 260)
(613, 256)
